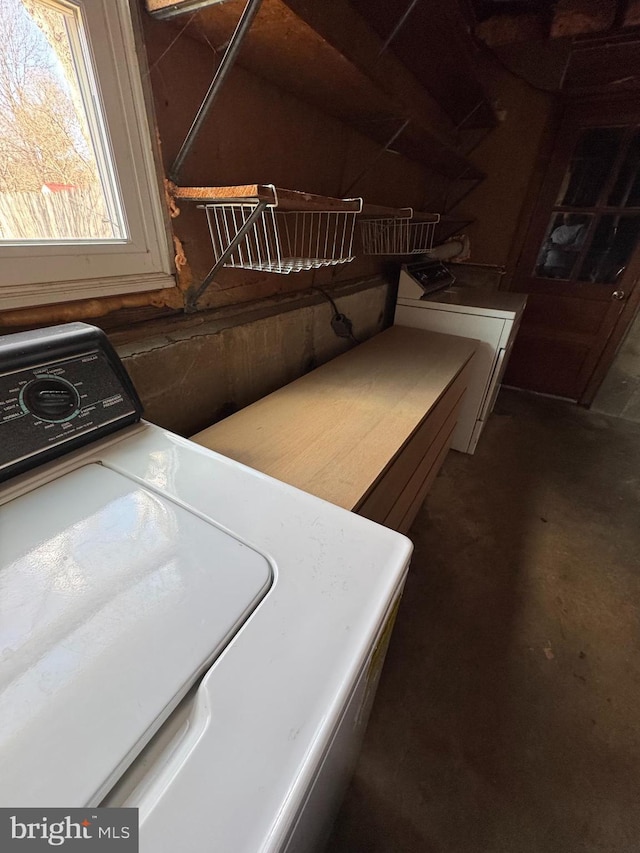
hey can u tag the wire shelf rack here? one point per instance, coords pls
(281, 241)
(405, 233)
(261, 228)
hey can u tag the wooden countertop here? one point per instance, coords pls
(335, 430)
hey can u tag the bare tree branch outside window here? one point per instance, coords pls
(51, 186)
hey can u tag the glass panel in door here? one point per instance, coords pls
(593, 159)
(585, 239)
(561, 246)
(613, 242)
(626, 190)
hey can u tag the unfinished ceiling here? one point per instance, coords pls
(381, 67)
(576, 47)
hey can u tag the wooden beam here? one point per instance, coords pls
(577, 17)
(281, 198)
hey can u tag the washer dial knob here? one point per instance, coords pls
(51, 399)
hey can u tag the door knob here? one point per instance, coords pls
(618, 294)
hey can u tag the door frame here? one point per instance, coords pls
(540, 199)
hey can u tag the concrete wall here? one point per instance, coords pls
(205, 369)
(619, 394)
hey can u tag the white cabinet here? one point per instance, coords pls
(490, 317)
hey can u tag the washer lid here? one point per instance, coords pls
(113, 600)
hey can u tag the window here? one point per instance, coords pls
(595, 224)
(80, 209)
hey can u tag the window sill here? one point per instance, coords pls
(31, 296)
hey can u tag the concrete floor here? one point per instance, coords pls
(508, 715)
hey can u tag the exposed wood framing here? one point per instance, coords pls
(327, 55)
(576, 17)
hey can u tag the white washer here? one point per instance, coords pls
(493, 318)
(178, 632)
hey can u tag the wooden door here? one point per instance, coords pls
(581, 260)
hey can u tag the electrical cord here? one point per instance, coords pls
(340, 323)
(327, 297)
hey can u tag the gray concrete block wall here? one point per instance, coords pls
(193, 377)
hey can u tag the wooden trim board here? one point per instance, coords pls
(281, 198)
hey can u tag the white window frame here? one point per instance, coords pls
(43, 273)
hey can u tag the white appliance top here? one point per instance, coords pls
(230, 768)
(113, 600)
(471, 300)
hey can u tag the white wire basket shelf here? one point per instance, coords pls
(386, 231)
(263, 228)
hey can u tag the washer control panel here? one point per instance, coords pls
(59, 388)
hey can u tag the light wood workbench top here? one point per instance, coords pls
(335, 430)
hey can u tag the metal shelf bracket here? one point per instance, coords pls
(230, 54)
(192, 301)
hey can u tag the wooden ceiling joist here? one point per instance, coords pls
(565, 19)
